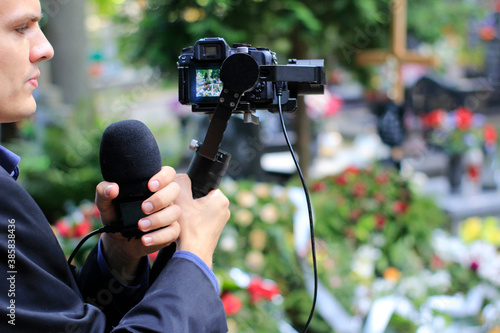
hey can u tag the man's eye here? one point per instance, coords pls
(22, 29)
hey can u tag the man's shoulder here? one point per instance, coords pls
(7, 184)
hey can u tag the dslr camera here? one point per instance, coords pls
(200, 85)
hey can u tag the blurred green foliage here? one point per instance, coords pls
(333, 30)
(61, 163)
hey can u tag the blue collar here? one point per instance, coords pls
(9, 161)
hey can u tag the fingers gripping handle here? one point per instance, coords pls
(206, 174)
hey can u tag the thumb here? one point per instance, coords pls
(105, 193)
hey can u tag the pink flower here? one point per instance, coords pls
(474, 266)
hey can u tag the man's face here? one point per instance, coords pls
(22, 47)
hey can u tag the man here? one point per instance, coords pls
(39, 291)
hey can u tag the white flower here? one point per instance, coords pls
(440, 280)
(363, 264)
(228, 243)
(490, 270)
(491, 313)
(413, 287)
(448, 248)
(382, 287)
(362, 300)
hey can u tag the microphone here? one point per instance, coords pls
(129, 156)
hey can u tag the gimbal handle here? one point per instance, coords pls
(239, 73)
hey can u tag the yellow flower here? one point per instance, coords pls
(262, 190)
(255, 261)
(269, 213)
(232, 325)
(246, 199)
(491, 230)
(243, 217)
(258, 239)
(471, 229)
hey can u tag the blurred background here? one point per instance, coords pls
(377, 150)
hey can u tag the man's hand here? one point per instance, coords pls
(202, 220)
(123, 255)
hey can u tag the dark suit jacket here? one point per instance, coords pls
(39, 291)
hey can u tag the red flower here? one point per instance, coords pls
(231, 303)
(490, 134)
(83, 228)
(152, 256)
(487, 32)
(262, 289)
(399, 207)
(382, 178)
(341, 179)
(463, 117)
(379, 197)
(379, 222)
(359, 190)
(319, 186)
(63, 228)
(352, 170)
(434, 118)
(474, 172)
(356, 214)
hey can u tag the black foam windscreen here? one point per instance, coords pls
(129, 156)
(129, 152)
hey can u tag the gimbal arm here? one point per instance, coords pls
(239, 73)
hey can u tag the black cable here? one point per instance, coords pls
(309, 208)
(112, 227)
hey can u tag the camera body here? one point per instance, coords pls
(199, 75)
(200, 85)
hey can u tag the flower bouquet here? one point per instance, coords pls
(258, 240)
(373, 241)
(472, 260)
(459, 130)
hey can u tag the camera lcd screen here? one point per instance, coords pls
(208, 83)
